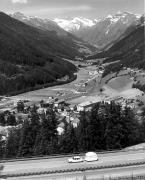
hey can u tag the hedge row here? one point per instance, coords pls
(76, 169)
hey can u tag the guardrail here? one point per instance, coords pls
(75, 169)
(65, 155)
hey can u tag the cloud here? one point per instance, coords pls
(20, 1)
(64, 9)
(56, 10)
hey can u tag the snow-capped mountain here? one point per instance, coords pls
(99, 32)
(49, 25)
(44, 24)
(75, 24)
(129, 48)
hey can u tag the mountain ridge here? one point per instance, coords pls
(107, 29)
(99, 32)
(128, 51)
(28, 62)
(51, 26)
(71, 24)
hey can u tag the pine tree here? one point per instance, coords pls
(26, 140)
(2, 144)
(131, 128)
(11, 120)
(46, 141)
(82, 134)
(97, 127)
(29, 133)
(20, 106)
(12, 143)
(113, 127)
(142, 130)
(2, 119)
(69, 142)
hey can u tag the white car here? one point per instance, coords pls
(91, 156)
(75, 159)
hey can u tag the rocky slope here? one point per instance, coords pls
(100, 32)
(129, 50)
(75, 24)
(44, 24)
(49, 25)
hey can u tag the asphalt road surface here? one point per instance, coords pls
(105, 174)
(61, 163)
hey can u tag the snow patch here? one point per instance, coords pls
(75, 23)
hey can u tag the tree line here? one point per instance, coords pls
(105, 127)
(139, 86)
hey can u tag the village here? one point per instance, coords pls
(68, 109)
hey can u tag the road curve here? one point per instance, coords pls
(61, 163)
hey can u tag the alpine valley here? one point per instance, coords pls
(34, 47)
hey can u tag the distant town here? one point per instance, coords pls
(20, 109)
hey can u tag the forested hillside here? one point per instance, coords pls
(48, 25)
(107, 30)
(129, 50)
(106, 127)
(30, 57)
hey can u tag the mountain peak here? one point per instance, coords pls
(109, 16)
(37, 22)
(18, 14)
(74, 23)
(127, 13)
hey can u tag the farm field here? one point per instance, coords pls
(87, 88)
(67, 91)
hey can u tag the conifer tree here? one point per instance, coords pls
(69, 142)
(97, 127)
(11, 120)
(114, 127)
(142, 130)
(131, 128)
(46, 141)
(82, 134)
(12, 143)
(29, 133)
(2, 119)
(26, 140)
(1, 147)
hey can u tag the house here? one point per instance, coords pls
(64, 113)
(92, 73)
(59, 103)
(41, 110)
(75, 122)
(86, 106)
(60, 128)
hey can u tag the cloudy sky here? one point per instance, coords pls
(71, 8)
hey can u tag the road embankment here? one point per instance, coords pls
(60, 165)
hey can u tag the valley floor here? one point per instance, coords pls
(87, 87)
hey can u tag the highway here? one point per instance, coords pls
(61, 163)
(105, 174)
